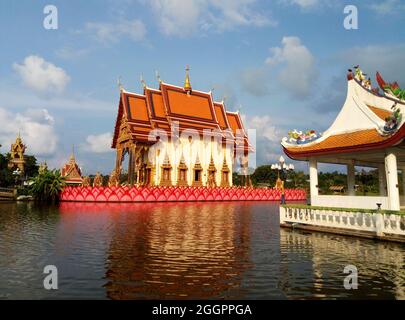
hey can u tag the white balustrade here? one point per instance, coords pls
(379, 223)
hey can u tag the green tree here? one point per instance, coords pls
(297, 180)
(6, 176)
(47, 185)
(265, 175)
(31, 166)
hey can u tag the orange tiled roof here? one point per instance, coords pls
(137, 109)
(220, 113)
(233, 120)
(161, 108)
(343, 142)
(381, 113)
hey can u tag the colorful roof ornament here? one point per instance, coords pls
(299, 137)
(391, 90)
(392, 122)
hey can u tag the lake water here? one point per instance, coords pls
(227, 250)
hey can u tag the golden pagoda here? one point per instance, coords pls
(17, 160)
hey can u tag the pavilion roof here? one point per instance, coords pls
(363, 124)
(72, 172)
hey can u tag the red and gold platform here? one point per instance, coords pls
(176, 194)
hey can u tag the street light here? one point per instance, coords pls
(17, 173)
(281, 167)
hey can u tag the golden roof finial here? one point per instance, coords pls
(187, 83)
(72, 156)
(158, 77)
(143, 81)
(119, 83)
(18, 140)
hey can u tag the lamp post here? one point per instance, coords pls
(17, 174)
(282, 168)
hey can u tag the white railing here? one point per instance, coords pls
(378, 223)
(350, 202)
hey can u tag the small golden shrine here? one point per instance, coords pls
(17, 151)
(72, 172)
(86, 181)
(98, 180)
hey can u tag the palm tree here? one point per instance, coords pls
(47, 185)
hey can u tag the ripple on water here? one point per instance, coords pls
(184, 251)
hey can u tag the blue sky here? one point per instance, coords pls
(283, 63)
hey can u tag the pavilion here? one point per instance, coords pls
(72, 173)
(368, 132)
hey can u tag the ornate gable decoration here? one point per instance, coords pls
(72, 171)
(124, 132)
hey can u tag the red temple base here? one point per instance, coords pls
(164, 194)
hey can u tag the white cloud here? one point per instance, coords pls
(98, 143)
(41, 76)
(183, 18)
(304, 3)
(15, 98)
(268, 138)
(388, 7)
(297, 66)
(113, 32)
(264, 127)
(36, 127)
(70, 53)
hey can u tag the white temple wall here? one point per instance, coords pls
(190, 152)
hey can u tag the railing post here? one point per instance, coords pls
(282, 215)
(379, 224)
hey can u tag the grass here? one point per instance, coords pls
(373, 211)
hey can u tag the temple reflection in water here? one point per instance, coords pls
(175, 250)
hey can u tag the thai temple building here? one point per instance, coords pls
(72, 172)
(368, 132)
(17, 151)
(177, 136)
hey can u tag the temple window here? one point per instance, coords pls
(166, 172)
(197, 175)
(182, 173)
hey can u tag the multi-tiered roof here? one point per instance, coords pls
(169, 104)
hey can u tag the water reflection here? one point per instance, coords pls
(380, 265)
(176, 250)
(183, 251)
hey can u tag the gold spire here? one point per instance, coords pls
(158, 77)
(119, 83)
(72, 156)
(187, 83)
(143, 81)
